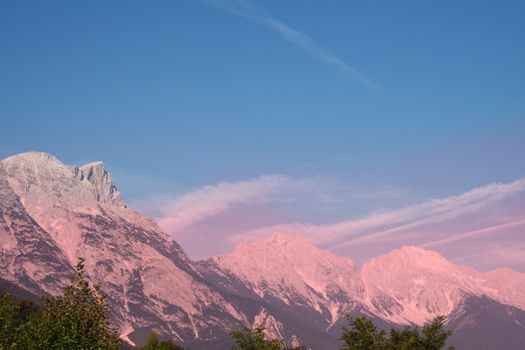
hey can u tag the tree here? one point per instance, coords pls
(434, 336)
(406, 339)
(363, 335)
(254, 339)
(77, 319)
(13, 319)
(154, 343)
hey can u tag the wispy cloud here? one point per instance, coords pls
(487, 256)
(183, 211)
(379, 224)
(476, 233)
(250, 11)
(396, 223)
(177, 212)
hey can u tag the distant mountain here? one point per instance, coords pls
(406, 286)
(51, 214)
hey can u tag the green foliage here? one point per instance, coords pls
(154, 343)
(363, 335)
(406, 339)
(254, 339)
(433, 335)
(13, 319)
(77, 319)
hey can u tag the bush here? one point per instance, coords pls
(255, 339)
(77, 319)
(363, 335)
(154, 343)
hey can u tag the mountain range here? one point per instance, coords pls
(52, 213)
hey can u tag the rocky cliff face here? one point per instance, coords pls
(51, 214)
(29, 256)
(100, 179)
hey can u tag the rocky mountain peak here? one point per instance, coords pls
(410, 256)
(279, 238)
(105, 190)
(32, 157)
(40, 178)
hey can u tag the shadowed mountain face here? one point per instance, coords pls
(51, 214)
(482, 323)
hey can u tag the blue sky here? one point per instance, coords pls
(411, 101)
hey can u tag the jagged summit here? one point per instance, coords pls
(105, 190)
(95, 164)
(38, 176)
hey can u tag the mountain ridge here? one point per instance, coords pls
(52, 213)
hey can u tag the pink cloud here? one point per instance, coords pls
(477, 233)
(195, 206)
(380, 224)
(488, 256)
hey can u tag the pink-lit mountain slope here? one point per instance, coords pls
(410, 285)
